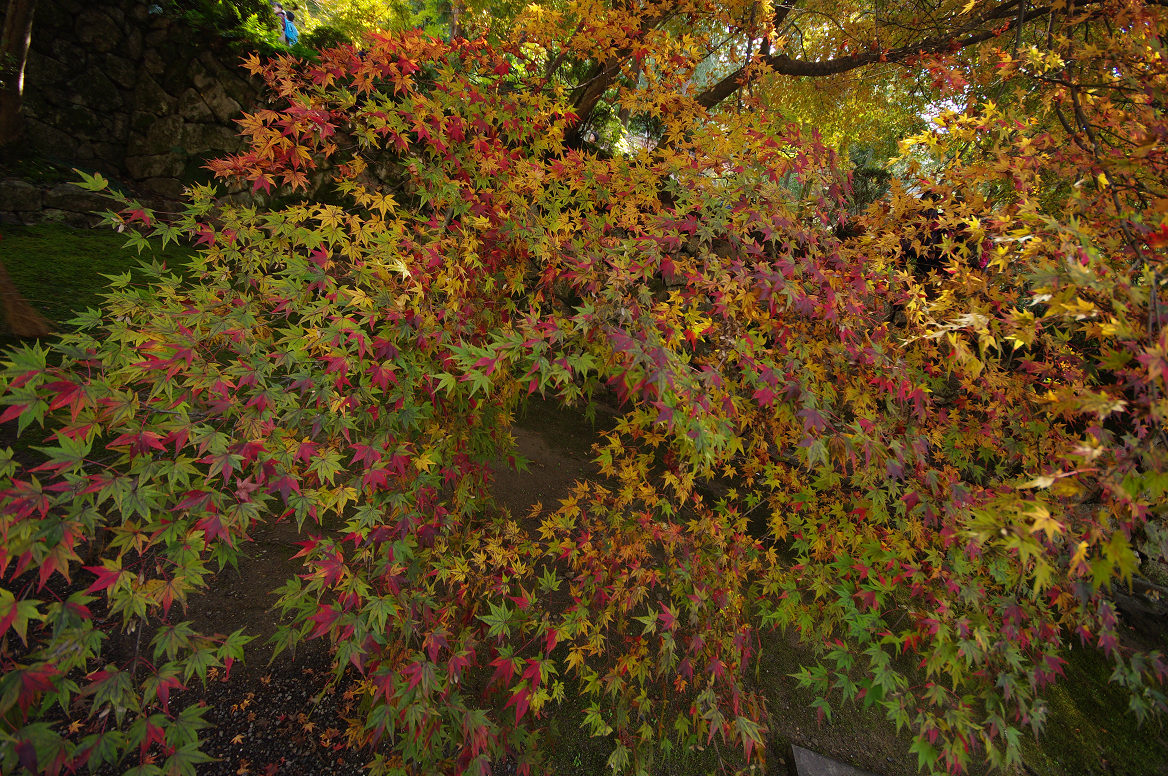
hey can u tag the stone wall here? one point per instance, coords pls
(126, 89)
(22, 202)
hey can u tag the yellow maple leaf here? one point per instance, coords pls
(1079, 559)
(576, 657)
(424, 461)
(1042, 521)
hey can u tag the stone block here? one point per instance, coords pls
(152, 98)
(115, 13)
(109, 155)
(117, 128)
(156, 37)
(168, 188)
(192, 107)
(82, 151)
(56, 17)
(239, 88)
(153, 63)
(94, 90)
(221, 104)
(140, 121)
(205, 138)
(181, 67)
(66, 196)
(155, 166)
(804, 762)
(97, 31)
(122, 71)
(164, 135)
(45, 69)
(63, 49)
(79, 121)
(42, 135)
(17, 196)
(66, 217)
(132, 46)
(202, 79)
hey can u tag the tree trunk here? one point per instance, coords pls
(14, 42)
(455, 19)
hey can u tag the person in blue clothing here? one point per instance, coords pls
(291, 34)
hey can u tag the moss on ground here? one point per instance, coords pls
(1090, 732)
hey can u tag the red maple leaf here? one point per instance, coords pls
(1158, 238)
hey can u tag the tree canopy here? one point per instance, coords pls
(921, 425)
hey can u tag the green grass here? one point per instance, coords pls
(59, 270)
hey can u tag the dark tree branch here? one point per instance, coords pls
(605, 73)
(972, 33)
(992, 22)
(601, 79)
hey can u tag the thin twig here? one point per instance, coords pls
(1081, 118)
(1021, 19)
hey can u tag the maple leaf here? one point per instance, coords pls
(520, 700)
(1158, 238)
(667, 618)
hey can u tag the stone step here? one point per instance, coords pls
(804, 762)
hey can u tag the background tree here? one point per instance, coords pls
(15, 37)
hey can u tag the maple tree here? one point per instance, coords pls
(936, 425)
